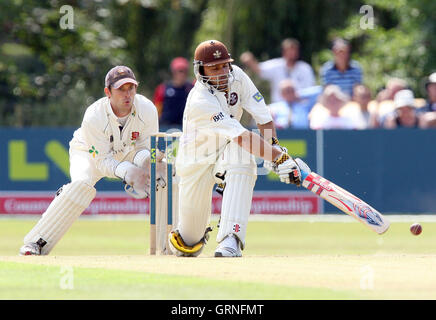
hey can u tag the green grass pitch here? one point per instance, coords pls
(290, 260)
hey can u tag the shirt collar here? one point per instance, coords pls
(349, 67)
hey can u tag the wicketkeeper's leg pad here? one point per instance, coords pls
(180, 249)
(71, 200)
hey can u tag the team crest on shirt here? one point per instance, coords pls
(93, 151)
(233, 98)
(257, 96)
(135, 136)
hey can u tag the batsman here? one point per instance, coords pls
(216, 149)
(113, 141)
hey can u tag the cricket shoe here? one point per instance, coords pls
(229, 247)
(32, 248)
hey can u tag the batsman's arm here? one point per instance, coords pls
(286, 168)
(267, 131)
(257, 146)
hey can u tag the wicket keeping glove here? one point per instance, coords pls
(142, 160)
(136, 180)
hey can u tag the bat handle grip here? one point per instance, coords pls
(304, 174)
(304, 168)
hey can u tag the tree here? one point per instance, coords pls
(53, 73)
(50, 74)
(156, 33)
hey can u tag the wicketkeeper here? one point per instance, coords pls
(113, 141)
(216, 148)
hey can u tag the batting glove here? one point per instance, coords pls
(287, 169)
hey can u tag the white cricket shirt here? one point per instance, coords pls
(107, 143)
(211, 119)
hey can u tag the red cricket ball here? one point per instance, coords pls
(416, 229)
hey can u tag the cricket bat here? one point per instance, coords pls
(345, 201)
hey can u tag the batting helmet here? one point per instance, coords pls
(209, 53)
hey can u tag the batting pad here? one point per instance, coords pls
(65, 208)
(236, 205)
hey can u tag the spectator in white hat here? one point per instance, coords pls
(405, 114)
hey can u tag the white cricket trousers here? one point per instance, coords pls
(195, 195)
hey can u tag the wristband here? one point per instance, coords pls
(281, 158)
(273, 141)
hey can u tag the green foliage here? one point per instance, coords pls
(155, 34)
(50, 75)
(54, 84)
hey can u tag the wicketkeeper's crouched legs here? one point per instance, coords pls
(72, 199)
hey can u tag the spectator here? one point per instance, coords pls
(341, 71)
(362, 107)
(405, 114)
(326, 114)
(385, 98)
(429, 110)
(287, 67)
(393, 85)
(293, 110)
(170, 97)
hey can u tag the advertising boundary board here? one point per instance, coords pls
(391, 170)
